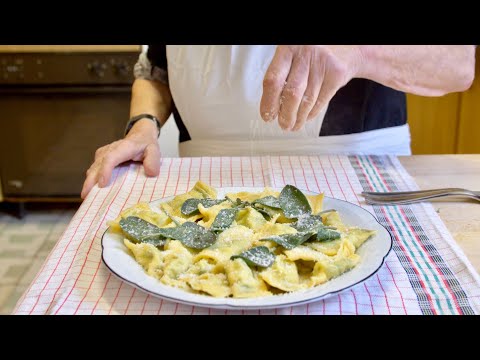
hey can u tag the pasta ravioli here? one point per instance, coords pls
(244, 245)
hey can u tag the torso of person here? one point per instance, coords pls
(217, 89)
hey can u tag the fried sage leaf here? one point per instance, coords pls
(190, 206)
(191, 235)
(293, 202)
(224, 219)
(139, 230)
(290, 241)
(257, 256)
(308, 223)
(325, 234)
(270, 201)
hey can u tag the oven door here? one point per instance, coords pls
(48, 137)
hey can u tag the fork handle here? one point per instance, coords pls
(409, 197)
(404, 195)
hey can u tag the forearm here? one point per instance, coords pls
(428, 70)
(150, 97)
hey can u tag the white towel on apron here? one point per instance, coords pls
(217, 91)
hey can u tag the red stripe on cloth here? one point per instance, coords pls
(163, 195)
(221, 170)
(348, 179)
(168, 178)
(409, 260)
(293, 172)
(135, 289)
(399, 242)
(303, 172)
(68, 244)
(384, 294)
(355, 301)
(116, 297)
(395, 283)
(179, 171)
(101, 295)
(49, 257)
(251, 169)
(407, 221)
(441, 275)
(281, 168)
(151, 197)
(100, 262)
(156, 180)
(210, 182)
(178, 176)
(325, 176)
(187, 189)
(370, 297)
(272, 171)
(92, 242)
(358, 202)
(241, 170)
(263, 173)
(314, 174)
(336, 177)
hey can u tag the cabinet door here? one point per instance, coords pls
(469, 122)
(49, 137)
(433, 123)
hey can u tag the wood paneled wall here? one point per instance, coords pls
(446, 125)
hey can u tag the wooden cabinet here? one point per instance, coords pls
(446, 125)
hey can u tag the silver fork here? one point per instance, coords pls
(409, 197)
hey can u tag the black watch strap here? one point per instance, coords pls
(136, 118)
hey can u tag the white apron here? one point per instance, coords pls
(217, 91)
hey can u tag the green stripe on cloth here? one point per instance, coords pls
(378, 186)
(403, 228)
(375, 173)
(452, 284)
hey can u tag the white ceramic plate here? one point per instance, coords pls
(373, 253)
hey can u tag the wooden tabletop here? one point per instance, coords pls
(461, 218)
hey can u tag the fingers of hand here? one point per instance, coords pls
(151, 161)
(333, 81)
(274, 82)
(293, 91)
(309, 99)
(106, 158)
(122, 151)
(90, 180)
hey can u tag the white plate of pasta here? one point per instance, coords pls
(245, 248)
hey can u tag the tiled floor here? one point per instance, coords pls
(24, 246)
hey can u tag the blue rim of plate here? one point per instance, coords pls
(262, 307)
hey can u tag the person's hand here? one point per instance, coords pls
(301, 80)
(141, 144)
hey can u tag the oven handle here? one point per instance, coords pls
(65, 90)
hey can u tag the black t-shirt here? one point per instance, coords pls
(359, 106)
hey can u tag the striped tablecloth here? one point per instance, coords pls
(426, 273)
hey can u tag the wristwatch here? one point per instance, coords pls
(136, 118)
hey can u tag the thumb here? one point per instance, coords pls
(151, 160)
